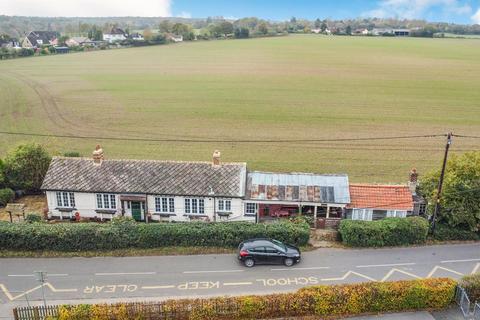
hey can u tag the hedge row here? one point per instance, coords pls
(447, 233)
(386, 232)
(329, 302)
(129, 234)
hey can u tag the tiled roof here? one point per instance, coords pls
(146, 176)
(382, 197)
(298, 187)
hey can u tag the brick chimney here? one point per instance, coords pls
(413, 181)
(216, 158)
(97, 155)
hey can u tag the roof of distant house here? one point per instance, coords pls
(381, 197)
(44, 36)
(146, 177)
(116, 31)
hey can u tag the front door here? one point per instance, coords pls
(136, 211)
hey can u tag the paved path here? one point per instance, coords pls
(107, 278)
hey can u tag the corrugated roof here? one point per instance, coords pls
(305, 187)
(382, 197)
(146, 176)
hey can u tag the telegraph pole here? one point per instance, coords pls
(440, 182)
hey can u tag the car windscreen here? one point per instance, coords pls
(281, 245)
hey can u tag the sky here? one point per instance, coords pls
(455, 11)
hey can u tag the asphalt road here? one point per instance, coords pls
(77, 280)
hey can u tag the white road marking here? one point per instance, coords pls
(442, 268)
(46, 284)
(346, 275)
(157, 287)
(237, 283)
(387, 265)
(20, 275)
(214, 271)
(389, 274)
(124, 273)
(311, 268)
(476, 268)
(31, 275)
(465, 260)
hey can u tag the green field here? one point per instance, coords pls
(296, 87)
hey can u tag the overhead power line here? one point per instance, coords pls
(221, 140)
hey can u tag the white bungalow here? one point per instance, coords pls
(115, 35)
(145, 189)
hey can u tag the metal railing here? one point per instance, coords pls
(476, 312)
(463, 301)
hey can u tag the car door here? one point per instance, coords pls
(273, 256)
(258, 254)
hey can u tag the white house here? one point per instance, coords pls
(116, 34)
(146, 190)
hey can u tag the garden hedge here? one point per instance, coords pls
(386, 232)
(447, 233)
(327, 302)
(471, 284)
(129, 234)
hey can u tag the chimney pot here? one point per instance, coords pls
(98, 155)
(216, 158)
(413, 181)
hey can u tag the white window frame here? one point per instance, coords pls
(396, 214)
(248, 208)
(164, 204)
(106, 201)
(224, 205)
(65, 199)
(362, 214)
(194, 206)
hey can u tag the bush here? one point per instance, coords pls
(386, 232)
(72, 154)
(329, 302)
(446, 233)
(129, 234)
(471, 284)
(31, 218)
(6, 195)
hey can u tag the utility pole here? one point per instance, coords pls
(42, 278)
(440, 182)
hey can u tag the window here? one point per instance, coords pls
(270, 250)
(194, 206)
(362, 214)
(258, 250)
(396, 214)
(224, 205)
(164, 205)
(65, 199)
(251, 209)
(106, 201)
(327, 194)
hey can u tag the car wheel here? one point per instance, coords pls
(249, 263)
(288, 262)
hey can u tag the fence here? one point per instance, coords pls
(35, 313)
(463, 301)
(476, 312)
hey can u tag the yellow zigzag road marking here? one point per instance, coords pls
(476, 268)
(389, 274)
(346, 275)
(445, 269)
(46, 284)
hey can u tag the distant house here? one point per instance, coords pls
(374, 202)
(79, 42)
(36, 39)
(9, 43)
(317, 30)
(136, 37)
(401, 32)
(174, 37)
(361, 32)
(115, 35)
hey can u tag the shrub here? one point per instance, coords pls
(329, 302)
(471, 284)
(33, 218)
(446, 233)
(6, 196)
(386, 232)
(72, 154)
(129, 234)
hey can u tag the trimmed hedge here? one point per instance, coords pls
(386, 232)
(327, 302)
(128, 234)
(447, 233)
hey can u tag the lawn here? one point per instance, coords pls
(295, 87)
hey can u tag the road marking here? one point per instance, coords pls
(445, 269)
(157, 287)
(31, 275)
(237, 283)
(389, 274)
(465, 260)
(476, 268)
(346, 275)
(214, 271)
(20, 275)
(124, 273)
(288, 269)
(46, 284)
(387, 265)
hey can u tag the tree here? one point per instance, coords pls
(165, 26)
(318, 24)
(26, 166)
(6, 196)
(63, 40)
(348, 30)
(324, 26)
(460, 207)
(225, 28)
(95, 33)
(242, 33)
(147, 34)
(263, 28)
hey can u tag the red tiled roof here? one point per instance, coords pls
(382, 197)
